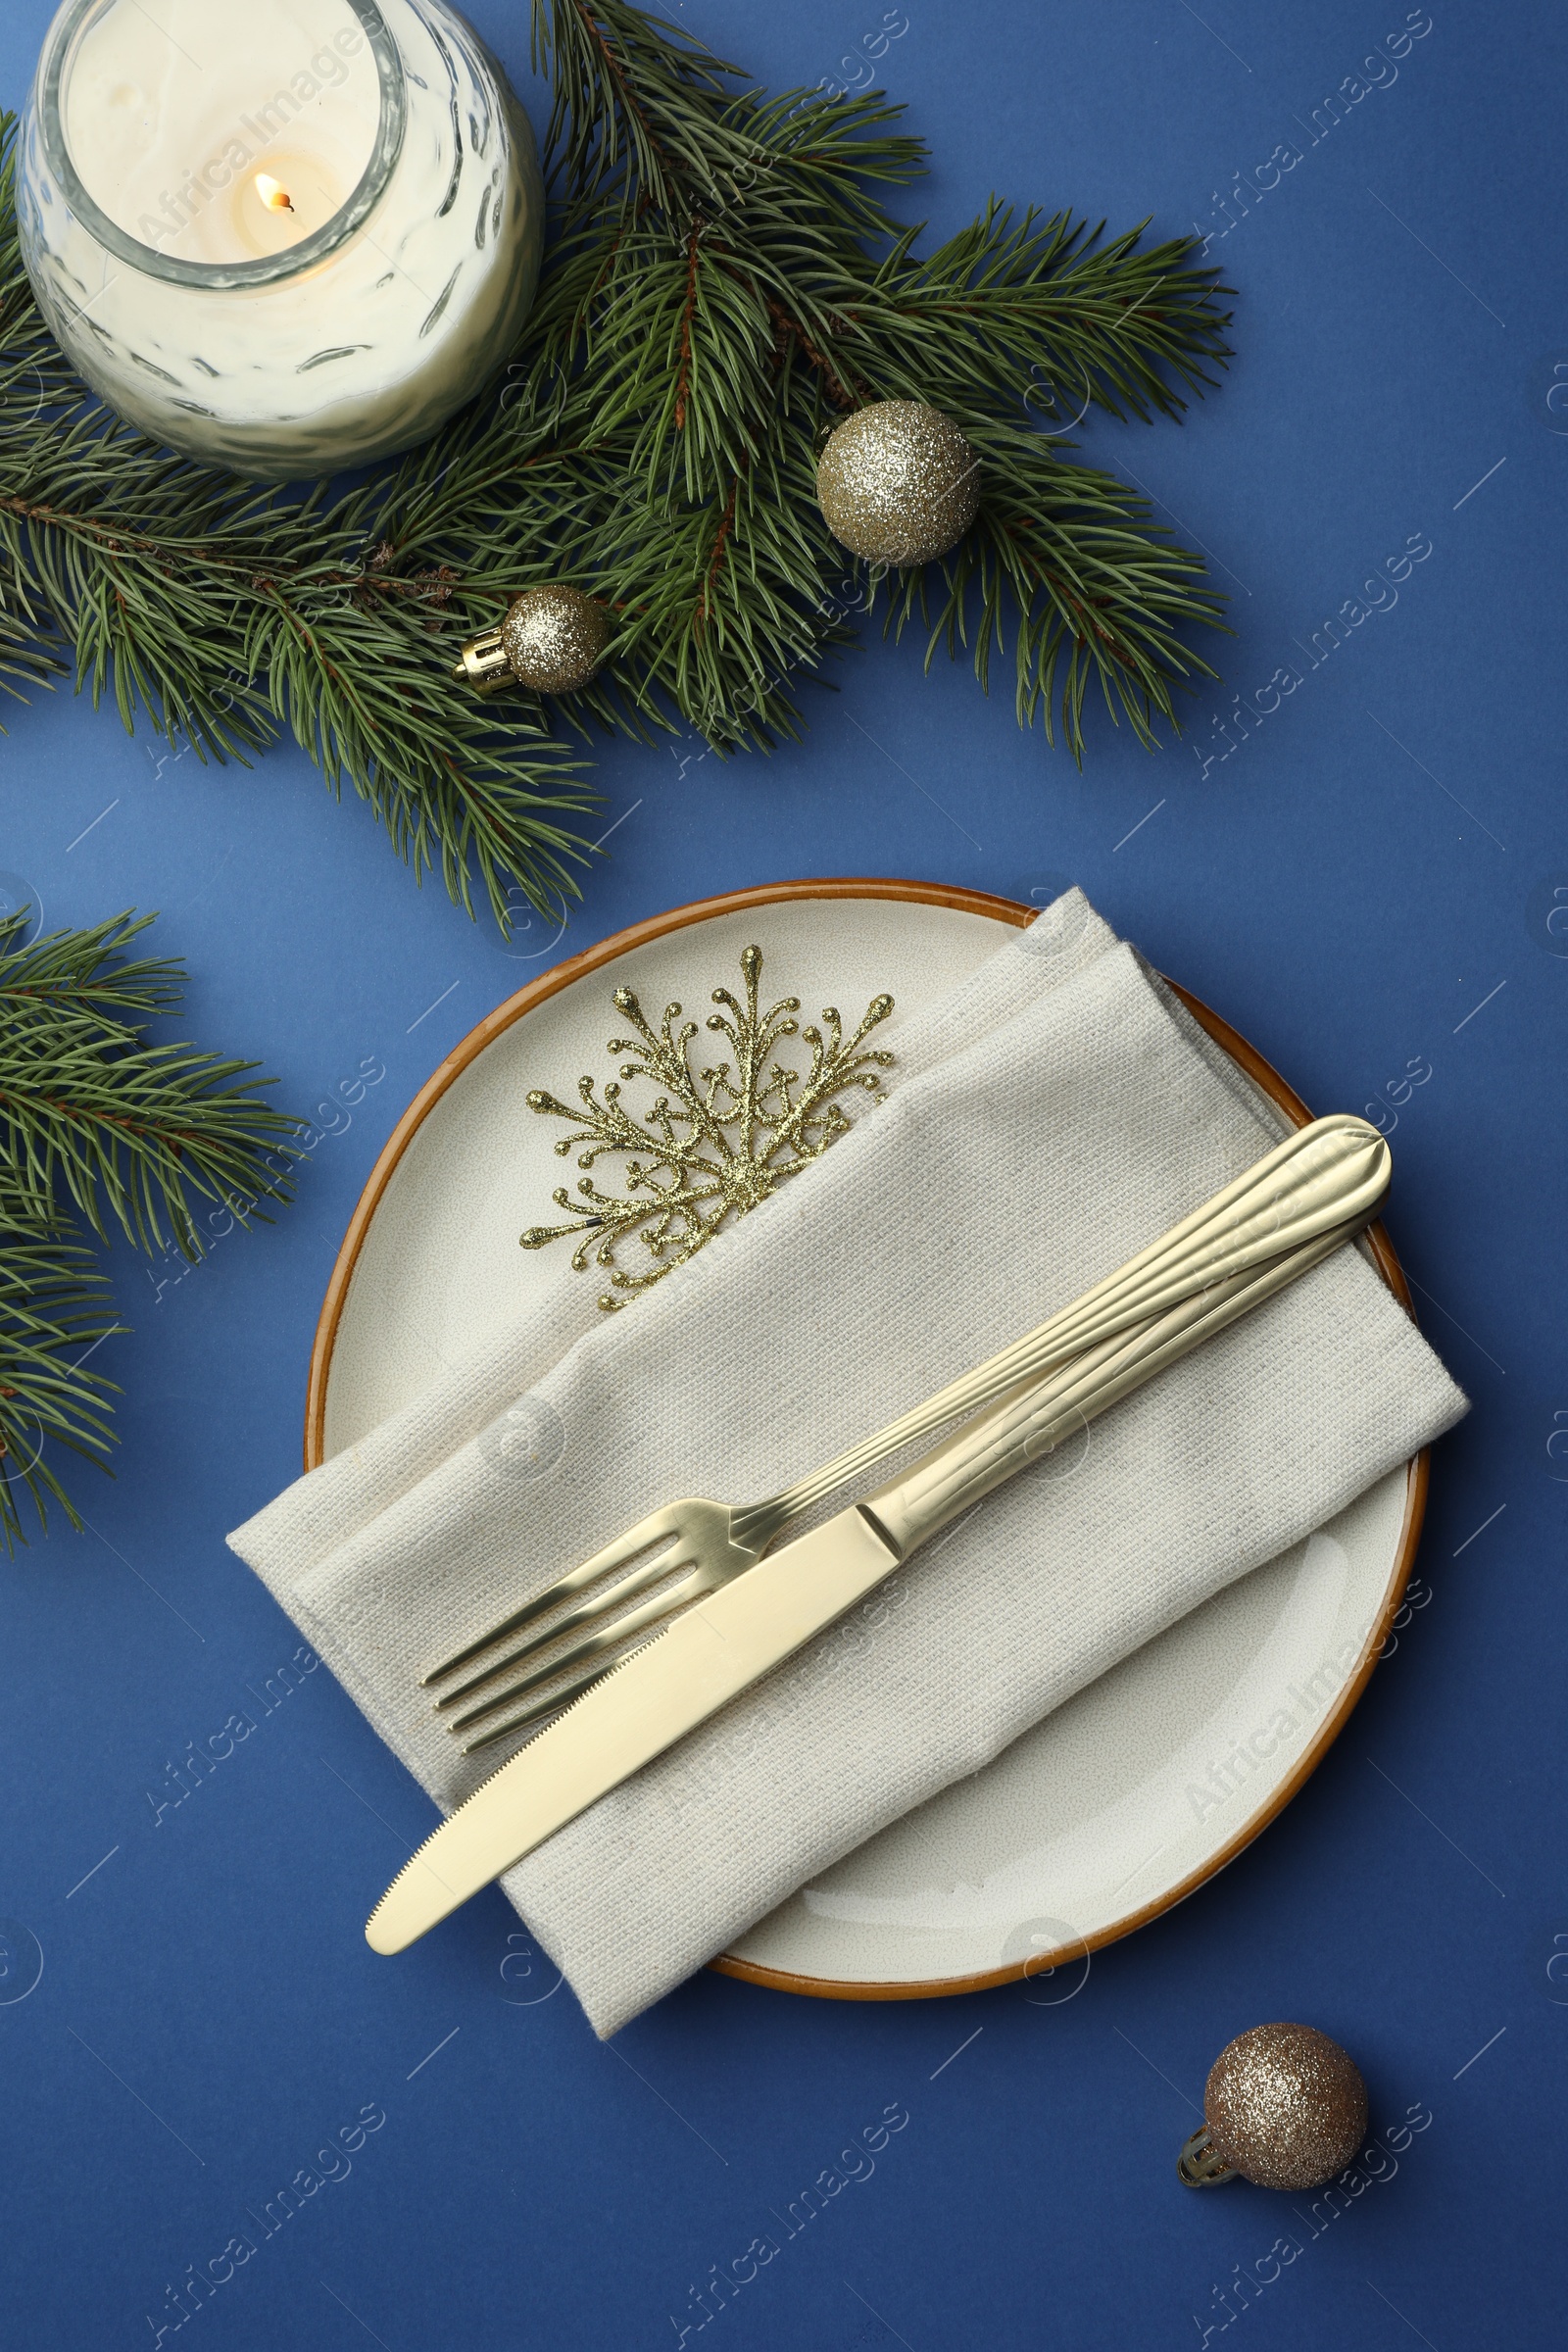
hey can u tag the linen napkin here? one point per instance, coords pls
(1055, 1114)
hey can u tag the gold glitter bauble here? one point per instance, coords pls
(554, 638)
(897, 482)
(1285, 2106)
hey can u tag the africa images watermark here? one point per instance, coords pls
(1378, 594)
(201, 2283)
(697, 1773)
(200, 1760)
(1228, 1775)
(856, 2164)
(236, 1207)
(180, 205)
(1378, 72)
(1378, 2162)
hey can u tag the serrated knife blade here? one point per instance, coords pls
(702, 1661)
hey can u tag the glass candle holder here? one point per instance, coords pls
(282, 236)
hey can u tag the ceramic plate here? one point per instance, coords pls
(1122, 1802)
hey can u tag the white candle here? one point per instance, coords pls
(285, 236)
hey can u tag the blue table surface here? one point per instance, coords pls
(1362, 881)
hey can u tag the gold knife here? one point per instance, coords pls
(722, 1644)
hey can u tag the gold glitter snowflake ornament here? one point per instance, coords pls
(715, 1141)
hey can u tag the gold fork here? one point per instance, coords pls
(1328, 1177)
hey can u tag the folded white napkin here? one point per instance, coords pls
(1052, 1116)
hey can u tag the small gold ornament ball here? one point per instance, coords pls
(897, 482)
(1285, 2107)
(554, 638)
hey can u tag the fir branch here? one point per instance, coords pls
(128, 1133)
(634, 104)
(1091, 592)
(725, 278)
(1039, 311)
(231, 615)
(720, 323)
(55, 1308)
(100, 1126)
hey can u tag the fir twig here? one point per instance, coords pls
(229, 615)
(100, 1127)
(55, 1308)
(725, 278)
(127, 1131)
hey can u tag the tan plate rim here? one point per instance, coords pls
(999, 910)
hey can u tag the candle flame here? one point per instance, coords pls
(275, 197)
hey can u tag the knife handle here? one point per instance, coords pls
(1038, 1417)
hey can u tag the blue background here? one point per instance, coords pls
(1365, 871)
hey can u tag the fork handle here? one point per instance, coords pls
(1037, 1416)
(1328, 1176)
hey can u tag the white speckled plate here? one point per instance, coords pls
(1118, 1805)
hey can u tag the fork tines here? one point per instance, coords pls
(524, 1672)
